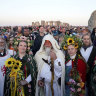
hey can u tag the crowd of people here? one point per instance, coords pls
(47, 61)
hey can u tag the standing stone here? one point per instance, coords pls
(92, 21)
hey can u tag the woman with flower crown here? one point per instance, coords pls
(75, 67)
(21, 73)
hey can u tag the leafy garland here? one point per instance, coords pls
(18, 39)
(76, 81)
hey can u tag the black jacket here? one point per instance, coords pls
(37, 44)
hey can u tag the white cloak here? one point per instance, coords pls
(41, 54)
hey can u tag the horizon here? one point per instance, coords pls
(24, 12)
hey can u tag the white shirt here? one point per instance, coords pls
(70, 62)
(86, 53)
(2, 70)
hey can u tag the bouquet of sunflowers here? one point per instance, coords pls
(16, 75)
(76, 84)
(14, 64)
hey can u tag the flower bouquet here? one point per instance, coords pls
(16, 75)
(76, 84)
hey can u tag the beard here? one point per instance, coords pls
(47, 50)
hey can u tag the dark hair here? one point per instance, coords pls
(25, 29)
(40, 26)
(22, 41)
(93, 32)
(53, 27)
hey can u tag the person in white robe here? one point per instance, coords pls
(50, 51)
(4, 55)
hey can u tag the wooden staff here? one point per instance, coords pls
(52, 72)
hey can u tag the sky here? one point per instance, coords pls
(24, 12)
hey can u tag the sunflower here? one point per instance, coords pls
(70, 41)
(9, 62)
(76, 45)
(65, 47)
(18, 63)
(15, 68)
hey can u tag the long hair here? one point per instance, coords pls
(93, 34)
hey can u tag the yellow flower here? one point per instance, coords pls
(9, 62)
(82, 84)
(29, 44)
(79, 55)
(79, 78)
(15, 68)
(16, 43)
(65, 47)
(70, 41)
(13, 74)
(76, 45)
(18, 63)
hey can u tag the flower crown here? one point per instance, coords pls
(71, 40)
(18, 39)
